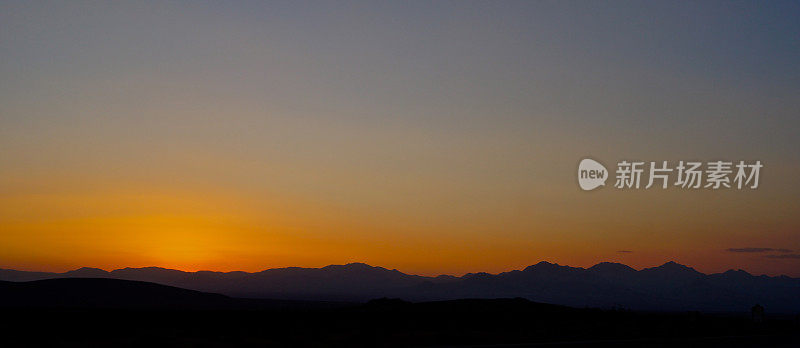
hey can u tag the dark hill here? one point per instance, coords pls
(104, 293)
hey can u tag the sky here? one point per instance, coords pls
(430, 137)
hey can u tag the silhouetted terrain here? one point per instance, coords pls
(669, 287)
(110, 293)
(108, 312)
(101, 293)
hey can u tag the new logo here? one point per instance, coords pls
(591, 174)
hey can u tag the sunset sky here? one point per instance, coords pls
(431, 137)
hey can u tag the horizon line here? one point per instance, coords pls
(395, 269)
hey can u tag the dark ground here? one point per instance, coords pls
(117, 313)
(507, 322)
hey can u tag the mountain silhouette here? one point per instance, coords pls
(105, 293)
(669, 287)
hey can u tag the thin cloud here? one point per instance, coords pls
(758, 250)
(624, 251)
(784, 256)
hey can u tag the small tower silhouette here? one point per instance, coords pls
(757, 313)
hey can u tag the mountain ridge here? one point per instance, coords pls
(670, 286)
(359, 264)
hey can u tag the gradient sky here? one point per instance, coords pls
(431, 137)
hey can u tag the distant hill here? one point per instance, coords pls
(104, 293)
(669, 287)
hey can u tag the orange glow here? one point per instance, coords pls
(260, 135)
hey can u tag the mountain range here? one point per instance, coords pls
(669, 287)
